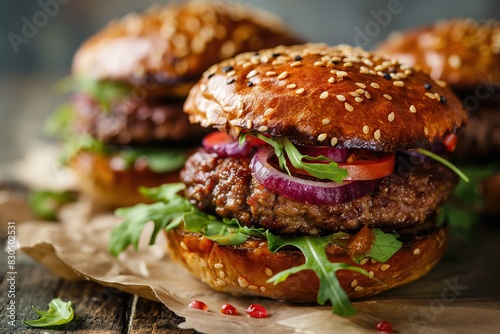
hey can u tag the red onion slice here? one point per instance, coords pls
(225, 146)
(335, 154)
(305, 191)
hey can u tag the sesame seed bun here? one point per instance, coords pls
(245, 269)
(108, 184)
(316, 94)
(177, 42)
(459, 51)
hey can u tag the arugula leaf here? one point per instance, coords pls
(58, 124)
(82, 143)
(314, 250)
(159, 160)
(444, 162)
(384, 246)
(46, 203)
(283, 148)
(59, 313)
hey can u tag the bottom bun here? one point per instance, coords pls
(244, 270)
(110, 187)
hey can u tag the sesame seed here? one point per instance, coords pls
(354, 94)
(371, 273)
(364, 70)
(325, 121)
(270, 73)
(341, 73)
(367, 62)
(249, 124)
(299, 91)
(242, 282)
(211, 75)
(230, 81)
(253, 287)
(247, 64)
(322, 137)
(249, 84)
(268, 111)
(239, 104)
(268, 272)
(262, 289)
(366, 129)
(376, 134)
(359, 99)
(183, 246)
(437, 96)
(427, 86)
(291, 86)
(387, 76)
(441, 83)
(227, 69)
(296, 64)
(297, 57)
(416, 251)
(384, 267)
(331, 80)
(323, 95)
(341, 98)
(354, 283)
(319, 63)
(219, 282)
(218, 266)
(334, 141)
(375, 85)
(363, 262)
(387, 96)
(360, 85)
(203, 263)
(454, 61)
(358, 288)
(222, 274)
(360, 91)
(333, 71)
(367, 95)
(276, 54)
(348, 107)
(393, 76)
(413, 109)
(277, 62)
(398, 83)
(251, 74)
(348, 64)
(203, 87)
(430, 95)
(263, 128)
(230, 73)
(282, 75)
(443, 99)
(390, 117)
(426, 131)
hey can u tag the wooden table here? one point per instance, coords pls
(97, 308)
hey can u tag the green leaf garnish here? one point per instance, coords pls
(444, 162)
(283, 148)
(384, 246)
(46, 203)
(59, 313)
(314, 250)
(59, 123)
(85, 143)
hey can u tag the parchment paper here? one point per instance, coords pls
(461, 295)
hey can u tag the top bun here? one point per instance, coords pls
(176, 43)
(459, 51)
(316, 94)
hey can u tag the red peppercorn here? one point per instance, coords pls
(384, 326)
(256, 311)
(228, 309)
(198, 305)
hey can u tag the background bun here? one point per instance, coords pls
(459, 51)
(177, 42)
(244, 270)
(315, 94)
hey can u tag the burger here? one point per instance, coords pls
(124, 126)
(465, 53)
(321, 184)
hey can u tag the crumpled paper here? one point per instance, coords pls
(460, 295)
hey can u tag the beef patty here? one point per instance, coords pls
(405, 199)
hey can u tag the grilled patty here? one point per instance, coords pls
(407, 198)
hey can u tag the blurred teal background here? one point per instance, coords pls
(29, 68)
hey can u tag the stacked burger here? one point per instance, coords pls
(320, 184)
(466, 54)
(124, 126)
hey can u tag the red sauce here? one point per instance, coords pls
(256, 311)
(228, 309)
(198, 305)
(384, 326)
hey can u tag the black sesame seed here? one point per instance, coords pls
(256, 54)
(443, 99)
(230, 81)
(387, 76)
(249, 84)
(427, 86)
(276, 55)
(297, 58)
(335, 61)
(227, 69)
(211, 75)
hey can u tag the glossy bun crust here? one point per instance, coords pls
(177, 42)
(459, 51)
(109, 187)
(244, 270)
(315, 94)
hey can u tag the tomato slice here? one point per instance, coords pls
(217, 138)
(450, 142)
(226, 146)
(362, 165)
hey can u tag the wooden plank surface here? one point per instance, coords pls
(97, 308)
